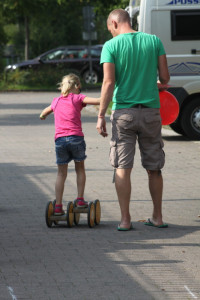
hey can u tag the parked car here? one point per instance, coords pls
(70, 57)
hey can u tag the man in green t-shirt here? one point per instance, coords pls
(131, 61)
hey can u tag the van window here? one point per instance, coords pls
(185, 25)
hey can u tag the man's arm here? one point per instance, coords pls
(107, 87)
(163, 72)
(106, 96)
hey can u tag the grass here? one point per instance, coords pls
(35, 80)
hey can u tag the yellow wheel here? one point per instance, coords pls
(76, 215)
(97, 208)
(70, 214)
(49, 213)
(54, 204)
(91, 214)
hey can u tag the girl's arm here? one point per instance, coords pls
(47, 111)
(94, 101)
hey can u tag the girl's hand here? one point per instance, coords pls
(47, 111)
(42, 117)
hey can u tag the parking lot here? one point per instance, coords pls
(79, 263)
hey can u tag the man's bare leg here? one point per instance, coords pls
(156, 191)
(123, 188)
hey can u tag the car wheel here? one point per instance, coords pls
(190, 120)
(177, 127)
(90, 77)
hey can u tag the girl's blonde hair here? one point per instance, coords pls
(69, 82)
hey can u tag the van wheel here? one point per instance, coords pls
(177, 127)
(90, 78)
(190, 120)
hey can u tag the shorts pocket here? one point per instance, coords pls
(124, 121)
(152, 124)
(59, 145)
(152, 118)
(113, 154)
(76, 140)
(78, 148)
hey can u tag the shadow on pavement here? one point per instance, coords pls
(176, 138)
(27, 244)
(34, 120)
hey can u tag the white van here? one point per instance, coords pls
(177, 24)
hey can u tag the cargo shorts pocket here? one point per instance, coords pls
(152, 124)
(113, 154)
(123, 121)
(152, 118)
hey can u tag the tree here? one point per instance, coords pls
(62, 27)
(2, 41)
(102, 9)
(45, 24)
(17, 11)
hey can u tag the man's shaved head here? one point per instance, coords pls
(119, 15)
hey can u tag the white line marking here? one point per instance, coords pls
(187, 289)
(11, 293)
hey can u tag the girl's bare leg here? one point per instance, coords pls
(80, 178)
(60, 182)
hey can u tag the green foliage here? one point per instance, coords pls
(50, 23)
(15, 9)
(62, 28)
(47, 78)
(104, 7)
(37, 78)
(3, 40)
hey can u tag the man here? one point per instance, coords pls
(131, 61)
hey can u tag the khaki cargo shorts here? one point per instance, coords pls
(129, 125)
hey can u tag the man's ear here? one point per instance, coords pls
(115, 24)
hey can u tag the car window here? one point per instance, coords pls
(77, 53)
(54, 55)
(83, 53)
(96, 52)
(71, 53)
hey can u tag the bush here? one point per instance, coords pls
(45, 78)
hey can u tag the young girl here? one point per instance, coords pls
(69, 138)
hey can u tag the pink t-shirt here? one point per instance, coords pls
(67, 115)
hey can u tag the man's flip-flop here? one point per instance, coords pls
(124, 229)
(150, 223)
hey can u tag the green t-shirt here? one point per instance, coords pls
(135, 56)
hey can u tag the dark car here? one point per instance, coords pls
(70, 57)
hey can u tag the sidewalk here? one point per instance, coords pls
(81, 263)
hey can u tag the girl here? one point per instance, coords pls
(69, 138)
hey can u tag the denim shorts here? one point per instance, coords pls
(136, 124)
(69, 148)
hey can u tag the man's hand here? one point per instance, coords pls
(162, 87)
(101, 126)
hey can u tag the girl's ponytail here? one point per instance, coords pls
(69, 82)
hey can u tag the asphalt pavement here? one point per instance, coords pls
(82, 263)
